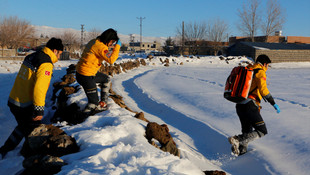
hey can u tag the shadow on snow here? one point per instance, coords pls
(211, 144)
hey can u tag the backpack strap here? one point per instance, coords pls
(255, 71)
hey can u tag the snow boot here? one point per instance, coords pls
(102, 106)
(234, 141)
(89, 108)
(240, 143)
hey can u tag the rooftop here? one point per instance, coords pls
(277, 46)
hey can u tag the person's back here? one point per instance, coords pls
(252, 123)
(27, 98)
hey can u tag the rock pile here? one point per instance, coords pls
(43, 147)
(73, 115)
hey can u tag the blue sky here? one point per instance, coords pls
(161, 16)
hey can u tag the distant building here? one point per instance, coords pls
(205, 48)
(144, 47)
(279, 48)
(271, 39)
(267, 39)
(277, 52)
(298, 39)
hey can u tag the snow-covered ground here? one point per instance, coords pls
(189, 99)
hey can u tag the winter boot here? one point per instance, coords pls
(89, 108)
(12, 142)
(234, 141)
(240, 143)
(102, 106)
(243, 149)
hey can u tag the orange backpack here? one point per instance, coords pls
(238, 84)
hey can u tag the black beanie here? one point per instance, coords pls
(55, 43)
(263, 59)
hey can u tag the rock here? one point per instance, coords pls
(162, 135)
(42, 164)
(171, 148)
(140, 116)
(69, 79)
(216, 172)
(119, 100)
(142, 61)
(49, 140)
(158, 132)
(150, 57)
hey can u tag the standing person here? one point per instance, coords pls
(27, 97)
(249, 110)
(87, 75)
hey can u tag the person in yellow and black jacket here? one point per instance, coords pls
(87, 75)
(27, 97)
(249, 110)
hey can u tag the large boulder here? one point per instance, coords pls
(49, 140)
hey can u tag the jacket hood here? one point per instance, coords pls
(51, 54)
(258, 66)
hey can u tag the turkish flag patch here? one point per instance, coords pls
(106, 51)
(48, 73)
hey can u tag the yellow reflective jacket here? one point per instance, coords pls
(32, 81)
(259, 85)
(93, 55)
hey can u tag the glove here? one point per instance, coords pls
(276, 107)
(119, 43)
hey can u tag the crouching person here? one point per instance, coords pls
(27, 97)
(252, 123)
(97, 51)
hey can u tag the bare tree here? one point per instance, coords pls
(14, 32)
(93, 33)
(250, 18)
(275, 18)
(217, 32)
(4, 35)
(69, 39)
(193, 32)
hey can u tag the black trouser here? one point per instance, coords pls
(89, 85)
(25, 126)
(250, 118)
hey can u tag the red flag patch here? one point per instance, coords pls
(106, 51)
(48, 73)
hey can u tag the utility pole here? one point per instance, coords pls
(82, 35)
(182, 38)
(140, 18)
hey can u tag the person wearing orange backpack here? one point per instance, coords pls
(252, 123)
(87, 75)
